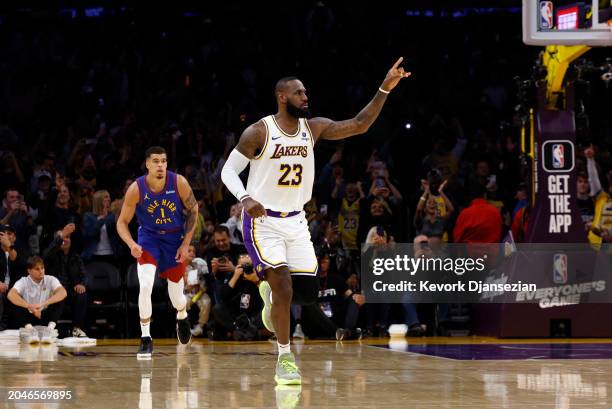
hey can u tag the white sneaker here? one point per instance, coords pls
(28, 335)
(78, 333)
(297, 332)
(197, 330)
(48, 335)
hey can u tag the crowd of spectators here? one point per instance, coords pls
(81, 98)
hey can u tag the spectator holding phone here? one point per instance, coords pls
(222, 259)
(19, 215)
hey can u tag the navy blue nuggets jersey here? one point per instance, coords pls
(160, 212)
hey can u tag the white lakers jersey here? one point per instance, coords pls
(282, 175)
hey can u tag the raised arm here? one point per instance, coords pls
(326, 128)
(250, 145)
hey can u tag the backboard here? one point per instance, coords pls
(562, 22)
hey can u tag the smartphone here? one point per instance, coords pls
(380, 182)
(323, 209)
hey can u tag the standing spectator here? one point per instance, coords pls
(234, 224)
(601, 227)
(431, 218)
(100, 240)
(38, 299)
(68, 267)
(10, 172)
(480, 222)
(586, 206)
(348, 215)
(19, 215)
(59, 216)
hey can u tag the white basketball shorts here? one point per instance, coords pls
(279, 239)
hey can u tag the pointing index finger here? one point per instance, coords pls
(398, 62)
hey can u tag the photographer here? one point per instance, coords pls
(240, 307)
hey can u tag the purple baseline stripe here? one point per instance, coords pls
(513, 351)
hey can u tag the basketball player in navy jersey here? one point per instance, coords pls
(167, 211)
(279, 150)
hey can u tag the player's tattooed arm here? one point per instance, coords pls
(252, 140)
(325, 128)
(191, 208)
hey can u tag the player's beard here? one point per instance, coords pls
(297, 112)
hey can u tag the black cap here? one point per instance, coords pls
(7, 227)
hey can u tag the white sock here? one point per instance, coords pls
(283, 349)
(182, 314)
(145, 329)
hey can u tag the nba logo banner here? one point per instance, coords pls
(560, 269)
(558, 156)
(546, 15)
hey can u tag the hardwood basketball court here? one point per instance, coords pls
(471, 372)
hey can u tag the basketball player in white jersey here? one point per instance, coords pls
(279, 149)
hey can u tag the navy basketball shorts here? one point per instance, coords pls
(160, 250)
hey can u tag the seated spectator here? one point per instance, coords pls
(100, 240)
(12, 268)
(68, 267)
(38, 298)
(431, 218)
(240, 308)
(195, 289)
(223, 247)
(222, 259)
(337, 301)
(377, 315)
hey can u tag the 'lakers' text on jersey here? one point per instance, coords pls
(161, 211)
(282, 175)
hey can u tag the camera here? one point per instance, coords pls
(247, 268)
